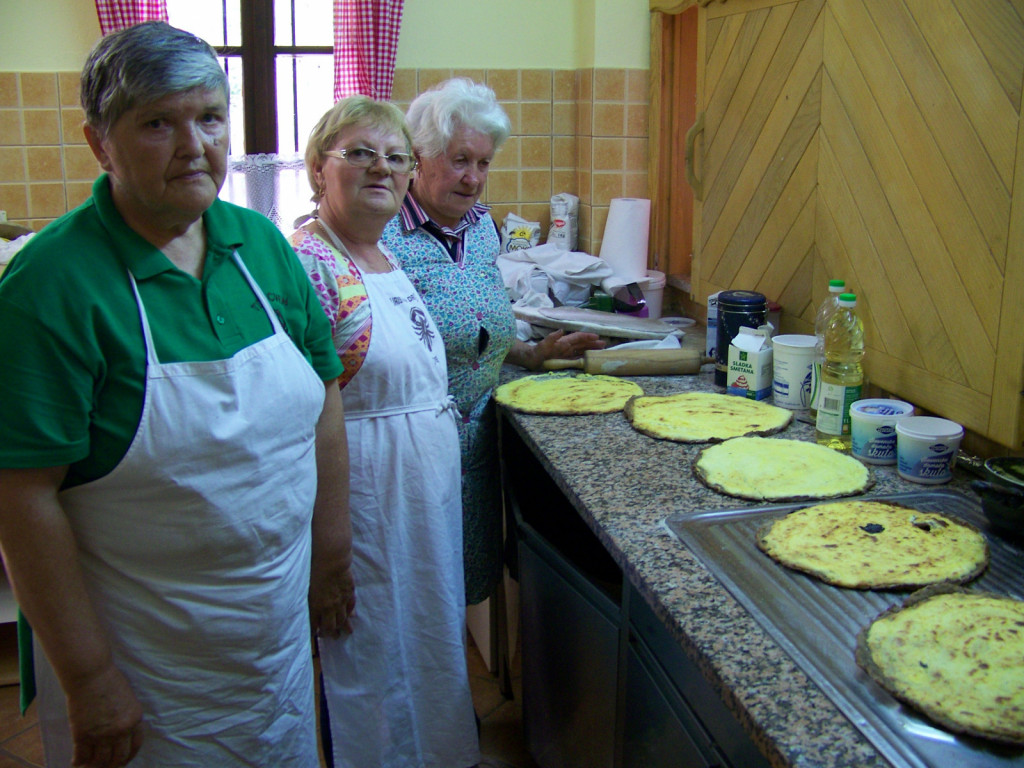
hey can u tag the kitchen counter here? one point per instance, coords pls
(624, 484)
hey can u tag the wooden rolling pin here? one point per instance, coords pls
(634, 362)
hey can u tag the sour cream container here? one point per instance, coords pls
(926, 448)
(873, 428)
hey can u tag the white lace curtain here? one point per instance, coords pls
(274, 185)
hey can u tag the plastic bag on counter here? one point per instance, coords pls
(518, 234)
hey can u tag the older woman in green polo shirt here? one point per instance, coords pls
(164, 423)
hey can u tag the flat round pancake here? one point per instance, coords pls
(704, 417)
(774, 469)
(956, 656)
(566, 394)
(875, 545)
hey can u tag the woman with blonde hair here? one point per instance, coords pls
(396, 689)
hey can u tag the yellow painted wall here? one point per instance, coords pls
(55, 35)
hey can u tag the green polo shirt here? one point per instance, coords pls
(72, 355)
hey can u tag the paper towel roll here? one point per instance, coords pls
(624, 245)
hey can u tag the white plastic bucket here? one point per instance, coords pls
(926, 448)
(791, 370)
(654, 289)
(873, 428)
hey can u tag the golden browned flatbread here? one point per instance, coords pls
(954, 655)
(562, 394)
(704, 417)
(875, 545)
(774, 469)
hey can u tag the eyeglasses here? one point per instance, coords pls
(363, 157)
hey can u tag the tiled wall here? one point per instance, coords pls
(46, 168)
(577, 131)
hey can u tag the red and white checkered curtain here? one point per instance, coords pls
(365, 42)
(121, 14)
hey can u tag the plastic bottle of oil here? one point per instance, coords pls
(842, 375)
(825, 312)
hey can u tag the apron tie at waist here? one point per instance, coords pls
(438, 408)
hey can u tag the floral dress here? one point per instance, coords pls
(468, 302)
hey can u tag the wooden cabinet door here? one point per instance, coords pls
(759, 92)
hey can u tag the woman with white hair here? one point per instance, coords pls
(448, 244)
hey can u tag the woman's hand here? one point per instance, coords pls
(105, 719)
(557, 345)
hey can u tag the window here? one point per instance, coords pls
(278, 55)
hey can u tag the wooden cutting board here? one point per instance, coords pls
(611, 324)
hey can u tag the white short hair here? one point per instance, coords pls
(435, 115)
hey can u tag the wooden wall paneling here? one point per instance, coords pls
(915, 181)
(784, 137)
(775, 256)
(659, 131)
(684, 113)
(996, 28)
(1006, 420)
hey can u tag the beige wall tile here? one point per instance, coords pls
(585, 152)
(430, 77)
(504, 83)
(607, 185)
(38, 89)
(610, 85)
(80, 163)
(9, 89)
(636, 120)
(46, 200)
(507, 156)
(68, 85)
(599, 218)
(535, 186)
(563, 118)
(565, 181)
(78, 193)
(535, 152)
(501, 210)
(536, 118)
(535, 85)
(636, 155)
(563, 86)
(634, 184)
(403, 86)
(584, 232)
(584, 119)
(585, 85)
(41, 126)
(12, 164)
(585, 185)
(637, 86)
(476, 75)
(14, 200)
(503, 185)
(609, 154)
(44, 164)
(10, 128)
(71, 120)
(539, 212)
(563, 152)
(512, 109)
(609, 119)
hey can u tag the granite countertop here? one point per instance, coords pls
(624, 484)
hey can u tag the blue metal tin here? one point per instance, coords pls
(735, 310)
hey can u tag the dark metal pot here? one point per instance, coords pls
(1001, 490)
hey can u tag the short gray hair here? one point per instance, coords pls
(435, 115)
(141, 64)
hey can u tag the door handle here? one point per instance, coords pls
(691, 138)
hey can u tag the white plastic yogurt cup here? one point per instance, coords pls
(873, 428)
(926, 448)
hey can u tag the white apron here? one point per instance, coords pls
(196, 552)
(397, 688)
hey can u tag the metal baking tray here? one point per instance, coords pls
(817, 624)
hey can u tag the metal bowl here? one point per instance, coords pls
(1001, 492)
